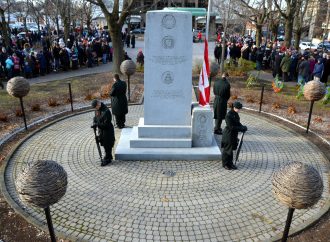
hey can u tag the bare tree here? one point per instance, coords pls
(299, 26)
(287, 12)
(115, 21)
(36, 8)
(4, 5)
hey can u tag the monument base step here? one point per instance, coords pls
(163, 131)
(125, 152)
(138, 142)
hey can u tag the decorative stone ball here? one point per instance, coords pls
(18, 87)
(42, 183)
(128, 67)
(214, 69)
(297, 185)
(314, 90)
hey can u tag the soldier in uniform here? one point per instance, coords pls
(229, 140)
(119, 101)
(102, 121)
(221, 90)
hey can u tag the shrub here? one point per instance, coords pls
(250, 99)
(292, 109)
(253, 80)
(197, 67)
(52, 102)
(35, 107)
(318, 120)
(105, 90)
(140, 68)
(67, 100)
(18, 112)
(276, 106)
(3, 117)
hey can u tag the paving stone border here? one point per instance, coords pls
(23, 212)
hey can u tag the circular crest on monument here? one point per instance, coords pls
(168, 77)
(314, 90)
(18, 87)
(128, 67)
(168, 42)
(42, 183)
(297, 185)
(168, 21)
(214, 69)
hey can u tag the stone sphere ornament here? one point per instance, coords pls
(18, 87)
(128, 67)
(297, 185)
(314, 90)
(42, 183)
(214, 69)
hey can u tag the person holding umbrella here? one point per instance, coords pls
(106, 132)
(229, 140)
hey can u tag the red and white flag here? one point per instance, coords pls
(203, 85)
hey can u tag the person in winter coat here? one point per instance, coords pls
(285, 66)
(217, 53)
(229, 140)
(140, 58)
(106, 132)
(133, 41)
(119, 101)
(221, 90)
(128, 40)
(9, 67)
(259, 58)
(303, 71)
(326, 71)
(318, 70)
(17, 65)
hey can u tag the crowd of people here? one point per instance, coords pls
(287, 64)
(40, 54)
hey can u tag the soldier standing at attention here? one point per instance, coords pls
(221, 90)
(119, 101)
(229, 140)
(106, 132)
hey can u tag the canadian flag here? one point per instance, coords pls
(203, 85)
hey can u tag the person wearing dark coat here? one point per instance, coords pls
(217, 53)
(133, 41)
(229, 140)
(106, 132)
(221, 90)
(326, 71)
(303, 71)
(119, 101)
(128, 40)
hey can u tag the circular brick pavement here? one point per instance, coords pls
(168, 200)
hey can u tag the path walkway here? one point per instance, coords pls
(135, 201)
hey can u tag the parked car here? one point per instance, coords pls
(307, 46)
(138, 31)
(21, 35)
(326, 46)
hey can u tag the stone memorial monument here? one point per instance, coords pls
(165, 131)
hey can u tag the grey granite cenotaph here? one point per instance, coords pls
(166, 132)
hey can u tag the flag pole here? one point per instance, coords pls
(208, 20)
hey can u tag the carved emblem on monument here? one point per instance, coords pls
(168, 42)
(168, 21)
(202, 119)
(167, 77)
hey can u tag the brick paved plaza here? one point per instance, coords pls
(135, 201)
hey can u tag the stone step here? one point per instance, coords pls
(163, 131)
(137, 142)
(125, 152)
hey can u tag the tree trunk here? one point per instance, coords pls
(297, 38)
(258, 34)
(66, 25)
(57, 26)
(288, 32)
(117, 46)
(4, 27)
